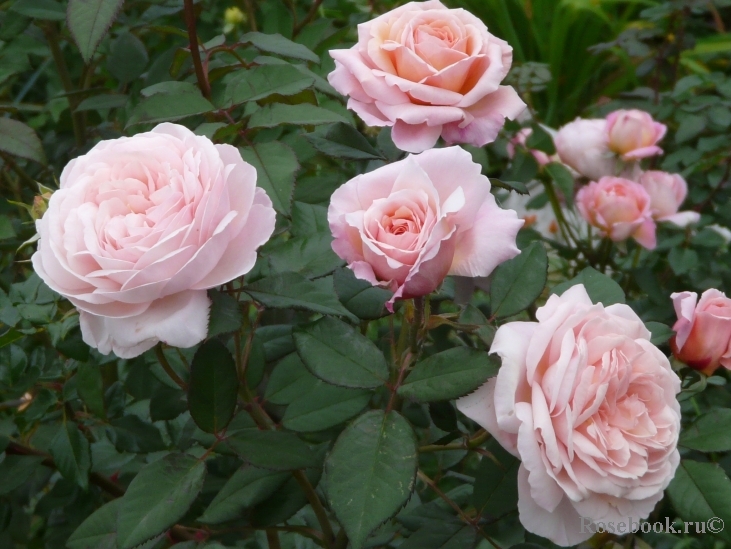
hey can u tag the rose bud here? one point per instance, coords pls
(667, 192)
(633, 134)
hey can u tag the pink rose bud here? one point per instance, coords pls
(633, 134)
(667, 192)
(407, 225)
(619, 208)
(141, 227)
(589, 405)
(428, 71)
(582, 145)
(702, 332)
(519, 140)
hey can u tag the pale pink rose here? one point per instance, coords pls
(588, 405)
(407, 225)
(428, 71)
(619, 208)
(583, 145)
(139, 229)
(667, 192)
(519, 140)
(702, 332)
(633, 134)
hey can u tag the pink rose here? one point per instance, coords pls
(667, 192)
(428, 71)
(703, 332)
(409, 224)
(582, 145)
(619, 208)
(519, 140)
(588, 404)
(633, 134)
(139, 229)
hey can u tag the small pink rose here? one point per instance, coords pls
(139, 229)
(619, 208)
(582, 145)
(589, 406)
(409, 224)
(633, 134)
(667, 192)
(428, 71)
(702, 332)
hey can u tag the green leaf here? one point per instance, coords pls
(131, 434)
(89, 21)
(496, 484)
(690, 126)
(344, 141)
(99, 530)
(308, 219)
(102, 102)
(540, 140)
(303, 114)
(339, 354)
(516, 186)
(289, 380)
(285, 502)
(213, 387)
(278, 450)
(600, 287)
(291, 290)
(278, 44)
(247, 487)
(184, 102)
(263, 81)
(40, 9)
(449, 374)
(15, 470)
(127, 58)
(370, 472)
(360, 297)
(563, 179)
(700, 491)
(311, 256)
(442, 535)
(660, 332)
(276, 165)
(519, 281)
(90, 386)
(167, 403)
(226, 315)
(70, 451)
(709, 433)
(324, 406)
(19, 140)
(159, 496)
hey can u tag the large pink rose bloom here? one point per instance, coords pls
(633, 134)
(428, 71)
(409, 224)
(582, 145)
(139, 229)
(703, 330)
(588, 404)
(619, 208)
(667, 192)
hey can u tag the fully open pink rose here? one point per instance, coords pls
(588, 404)
(583, 145)
(702, 332)
(428, 71)
(619, 208)
(667, 192)
(409, 224)
(633, 134)
(139, 229)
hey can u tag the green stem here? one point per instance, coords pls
(557, 211)
(317, 507)
(162, 359)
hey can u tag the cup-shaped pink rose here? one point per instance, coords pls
(667, 192)
(619, 208)
(407, 225)
(519, 140)
(428, 71)
(703, 331)
(589, 406)
(582, 145)
(139, 229)
(633, 134)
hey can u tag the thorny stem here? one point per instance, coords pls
(195, 53)
(273, 539)
(162, 359)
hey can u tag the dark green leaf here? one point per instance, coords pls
(278, 44)
(519, 281)
(339, 354)
(40, 9)
(442, 535)
(15, 470)
(660, 332)
(278, 450)
(131, 434)
(563, 179)
(360, 297)
(710, 433)
(167, 403)
(276, 166)
(158, 497)
(247, 487)
(496, 484)
(449, 374)
(102, 102)
(161, 107)
(263, 81)
(89, 20)
(308, 219)
(370, 472)
(311, 256)
(600, 287)
(344, 141)
(70, 451)
(226, 315)
(324, 406)
(213, 387)
(516, 186)
(285, 502)
(289, 380)
(690, 126)
(99, 530)
(540, 140)
(90, 386)
(127, 58)
(299, 115)
(19, 140)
